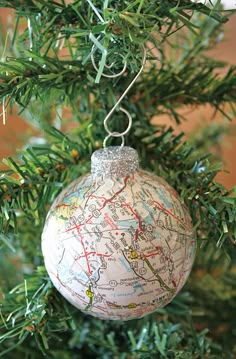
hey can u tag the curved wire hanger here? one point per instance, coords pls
(119, 134)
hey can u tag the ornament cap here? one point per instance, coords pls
(114, 161)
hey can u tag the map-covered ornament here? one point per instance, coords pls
(118, 243)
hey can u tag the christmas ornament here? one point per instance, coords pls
(118, 243)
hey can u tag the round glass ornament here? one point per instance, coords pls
(118, 243)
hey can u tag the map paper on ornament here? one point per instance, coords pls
(118, 249)
(227, 4)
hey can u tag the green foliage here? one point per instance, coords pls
(41, 318)
(64, 154)
(33, 308)
(45, 168)
(46, 67)
(38, 67)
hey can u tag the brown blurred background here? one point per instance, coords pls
(13, 134)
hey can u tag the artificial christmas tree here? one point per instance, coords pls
(65, 64)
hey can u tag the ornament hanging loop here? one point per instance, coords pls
(121, 134)
(114, 134)
(105, 122)
(109, 66)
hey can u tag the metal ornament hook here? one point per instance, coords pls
(109, 66)
(114, 134)
(119, 134)
(126, 91)
(122, 134)
(110, 133)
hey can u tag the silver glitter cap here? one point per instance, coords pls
(114, 161)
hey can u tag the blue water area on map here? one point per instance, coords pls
(127, 223)
(76, 194)
(136, 287)
(163, 196)
(125, 264)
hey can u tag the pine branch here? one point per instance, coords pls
(35, 320)
(158, 10)
(36, 314)
(35, 311)
(189, 80)
(213, 287)
(26, 80)
(38, 176)
(212, 208)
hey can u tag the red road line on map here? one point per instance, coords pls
(165, 256)
(88, 220)
(174, 283)
(118, 192)
(82, 243)
(86, 256)
(78, 226)
(171, 214)
(72, 228)
(109, 221)
(138, 218)
(151, 254)
(98, 254)
(104, 204)
(97, 197)
(62, 205)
